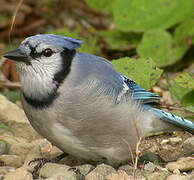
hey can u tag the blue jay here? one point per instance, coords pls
(81, 104)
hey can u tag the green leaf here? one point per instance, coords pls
(12, 96)
(185, 80)
(178, 92)
(117, 39)
(190, 118)
(143, 71)
(157, 44)
(141, 15)
(102, 5)
(189, 108)
(183, 33)
(89, 43)
(184, 96)
(188, 101)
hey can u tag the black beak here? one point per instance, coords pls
(16, 55)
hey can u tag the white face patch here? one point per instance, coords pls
(37, 78)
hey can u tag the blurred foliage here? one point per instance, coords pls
(183, 90)
(13, 96)
(104, 5)
(157, 43)
(133, 69)
(117, 39)
(153, 19)
(141, 15)
(185, 80)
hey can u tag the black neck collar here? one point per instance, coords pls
(67, 57)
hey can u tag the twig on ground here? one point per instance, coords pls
(9, 84)
(13, 19)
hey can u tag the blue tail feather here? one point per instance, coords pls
(176, 120)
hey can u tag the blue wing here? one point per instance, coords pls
(140, 94)
(110, 81)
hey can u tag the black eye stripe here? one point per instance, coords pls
(34, 54)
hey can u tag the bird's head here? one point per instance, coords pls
(43, 61)
(43, 50)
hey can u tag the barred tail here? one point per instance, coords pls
(176, 120)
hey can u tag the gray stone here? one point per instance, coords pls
(24, 148)
(150, 167)
(128, 169)
(19, 174)
(85, 168)
(120, 175)
(188, 146)
(176, 177)
(11, 160)
(11, 138)
(183, 164)
(6, 169)
(175, 140)
(156, 176)
(100, 172)
(4, 147)
(131, 171)
(52, 170)
(16, 120)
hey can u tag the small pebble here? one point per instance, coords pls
(128, 169)
(165, 141)
(120, 175)
(157, 90)
(155, 176)
(183, 164)
(188, 146)
(176, 171)
(175, 140)
(150, 167)
(11, 160)
(19, 174)
(23, 148)
(167, 97)
(53, 170)
(176, 177)
(85, 168)
(100, 172)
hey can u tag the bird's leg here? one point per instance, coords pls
(43, 161)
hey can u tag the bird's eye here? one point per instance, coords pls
(47, 52)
